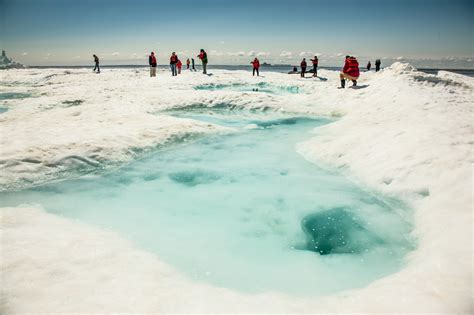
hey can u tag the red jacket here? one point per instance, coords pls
(173, 59)
(179, 64)
(303, 64)
(256, 64)
(351, 67)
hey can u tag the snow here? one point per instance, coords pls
(402, 133)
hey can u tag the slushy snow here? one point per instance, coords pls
(403, 133)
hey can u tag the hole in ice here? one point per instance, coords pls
(73, 102)
(13, 95)
(337, 231)
(262, 87)
(229, 210)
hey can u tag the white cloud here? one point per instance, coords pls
(24, 53)
(239, 53)
(286, 54)
(305, 53)
(252, 53)
(222, 42)
(115, 54)
(400, 58)
(216, 53)
(263, 54)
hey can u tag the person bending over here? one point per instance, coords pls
(350, 71)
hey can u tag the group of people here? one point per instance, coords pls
(377, 65)
(176, 64)
(304, 65)
(350, 71)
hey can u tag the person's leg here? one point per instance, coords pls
(154, 71)
(151, 71)
(253, 72)
(343, 80)
(98, 69)
(258, 73)
(315, 72)
(204, 68)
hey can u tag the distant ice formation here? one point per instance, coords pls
(8, 63)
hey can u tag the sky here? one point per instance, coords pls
(68, 32)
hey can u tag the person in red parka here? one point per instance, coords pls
(350, 71)
(152, 63)
(173, 61)
(256, 65)
(179, 64)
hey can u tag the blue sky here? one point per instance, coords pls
(48, 32)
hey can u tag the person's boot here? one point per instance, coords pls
(343, 83)
(354, 83)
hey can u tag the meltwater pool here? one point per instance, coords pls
(242, 211)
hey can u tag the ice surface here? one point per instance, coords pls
(405, 135)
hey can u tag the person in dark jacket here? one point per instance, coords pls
(152, 63)
(303, 67)
(193, 65)
(350, 71)
(173, 62)
(369, 65)
(96, 60)
(203, 56)
(188, 62)
(256, 65)
(377, 65)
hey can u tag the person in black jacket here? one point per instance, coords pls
(303, 67)
(96, 60)
(152, 63)
(377, 65)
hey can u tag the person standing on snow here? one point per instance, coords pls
(350, 71)
(256, 65)
(179, 64)
(173, 62)
(192, 64)
(377, 65)
(303, 67)
(152, 63)
(96, 60)
(203, 56)
(315, 66)
(369, 65)
(187, 63)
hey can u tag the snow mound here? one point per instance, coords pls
(400, 67)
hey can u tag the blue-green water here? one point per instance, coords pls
(13, 95)
(262, 87)
(242, 211)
